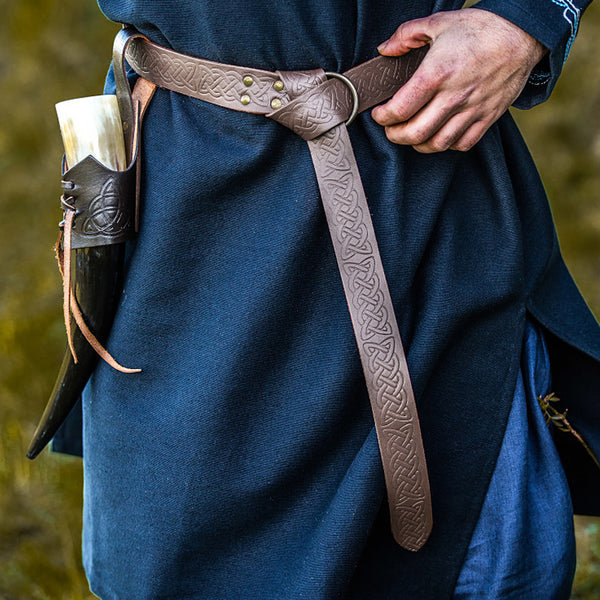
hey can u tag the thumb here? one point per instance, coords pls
(412, 34)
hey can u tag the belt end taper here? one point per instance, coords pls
(412, 533)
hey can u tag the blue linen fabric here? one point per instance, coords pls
(242, 462)
(523, 546)
(524, 543)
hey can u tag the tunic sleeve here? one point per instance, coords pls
(554, 23)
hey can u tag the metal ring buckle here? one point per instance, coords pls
(352, 91)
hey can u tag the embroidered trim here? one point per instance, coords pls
(571, 15)
(538, 78)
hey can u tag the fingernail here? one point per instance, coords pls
(382, 46)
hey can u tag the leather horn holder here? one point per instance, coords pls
(104, 201)
(100, 207)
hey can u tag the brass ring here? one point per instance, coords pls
(352, 91)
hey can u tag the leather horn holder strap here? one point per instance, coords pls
(317, 106)
(103, 199)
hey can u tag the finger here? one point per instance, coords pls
(432, 75)
(425, 124)
(447, 135)
(408, 100)
(471, 136)
(412, 34)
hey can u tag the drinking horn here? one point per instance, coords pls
(100, 206)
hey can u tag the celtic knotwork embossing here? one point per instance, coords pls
(376, 333)
(386, 71)
(378, 79)
(367, 299)
(202, 79)
(104, 215)
(298, 82)
(317, 109)
(333, 166)
(387, 378)
(353, 235)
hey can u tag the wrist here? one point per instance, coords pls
(528, 46)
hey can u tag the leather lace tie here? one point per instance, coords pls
(70, 304)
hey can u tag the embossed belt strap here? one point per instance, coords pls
(316, 108)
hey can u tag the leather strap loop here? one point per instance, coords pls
(318, 110)
(126, 105)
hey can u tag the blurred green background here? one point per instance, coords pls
(52, 50)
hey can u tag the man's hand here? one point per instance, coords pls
(476, 67)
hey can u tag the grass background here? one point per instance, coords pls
(52, 50)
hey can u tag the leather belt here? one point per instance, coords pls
(316, 105)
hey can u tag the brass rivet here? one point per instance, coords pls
(276, 103)
(245, 99)
(278, 85)
(248, 81)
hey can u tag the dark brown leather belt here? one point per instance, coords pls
(318, 106)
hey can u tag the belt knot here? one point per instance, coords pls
(317, 104)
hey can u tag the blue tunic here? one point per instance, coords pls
(242, 462)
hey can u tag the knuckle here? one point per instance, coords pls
(414, 140)
(436, 145)
(418, 135)
(400, 115)
(421, 82)
(440, 144)
(461, 146)
(461, 98)
(423, 149)
(395, 111)
(440, 73)
(433, 20)
(393, 135)
(465, 143)
(411, 133)
(400, 32)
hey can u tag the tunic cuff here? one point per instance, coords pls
(554, 23)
